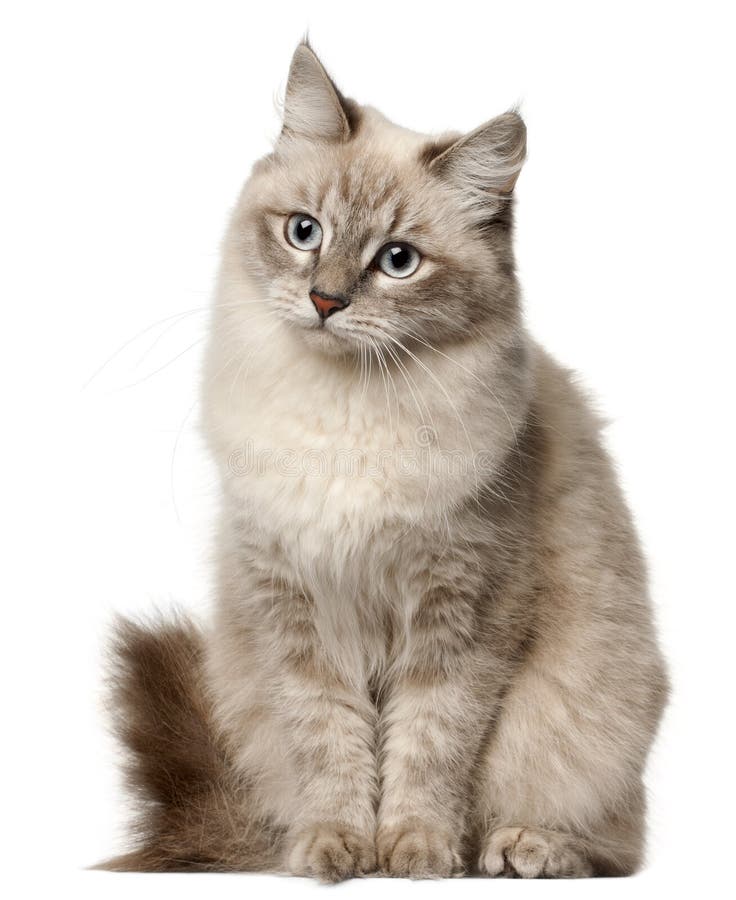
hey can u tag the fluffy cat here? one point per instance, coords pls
(432, 650)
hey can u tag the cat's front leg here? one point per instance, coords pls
(431, 733)
(329, 725)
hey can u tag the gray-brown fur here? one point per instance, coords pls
(191, 805)
(424, 672)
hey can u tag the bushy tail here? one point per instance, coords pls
(191, 806)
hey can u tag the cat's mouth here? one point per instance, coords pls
(334, 335)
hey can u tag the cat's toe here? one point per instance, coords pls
(331, 853)
(417, 851)
(533, 853)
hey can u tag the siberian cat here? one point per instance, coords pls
(432, 651)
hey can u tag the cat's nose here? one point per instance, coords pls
(327, 304)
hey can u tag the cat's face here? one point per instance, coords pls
(359, 233)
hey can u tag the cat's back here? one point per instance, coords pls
(593, 603)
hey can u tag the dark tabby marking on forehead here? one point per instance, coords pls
(355, 184)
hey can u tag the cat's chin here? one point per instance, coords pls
(330, 343)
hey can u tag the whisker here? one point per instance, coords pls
(180, 316)
(275, 323)
(382, 363)
(449, 400)
(232, 359)
(420, 340)
(133, 384)
(407, 378)
(140, 334)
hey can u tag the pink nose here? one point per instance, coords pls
(326, 305)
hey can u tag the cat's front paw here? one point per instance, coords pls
(330, 852)
(417, 850)
(533, 853)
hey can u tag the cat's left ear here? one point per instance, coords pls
(314, 109)
(486, 162)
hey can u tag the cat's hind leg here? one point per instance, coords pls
(559, 786)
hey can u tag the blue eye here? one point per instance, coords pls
(398, 260)
(303, 232)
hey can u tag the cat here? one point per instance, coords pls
(432, 650)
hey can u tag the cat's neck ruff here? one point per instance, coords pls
(309, 440)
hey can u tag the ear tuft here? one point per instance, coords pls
(313, 107)
(485, 163)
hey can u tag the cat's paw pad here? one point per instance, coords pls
(331, 853)
(415, 850)
(532, 853)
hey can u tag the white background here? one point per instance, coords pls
(128, 129)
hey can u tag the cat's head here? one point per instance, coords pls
(358, 232)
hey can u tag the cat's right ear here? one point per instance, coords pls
(314, 109)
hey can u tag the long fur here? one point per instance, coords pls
(425, 669)
(192, 806)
